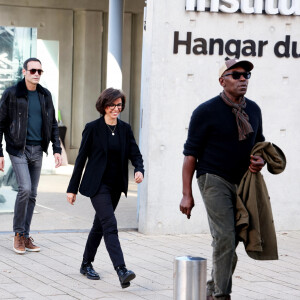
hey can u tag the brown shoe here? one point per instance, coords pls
(19, 244)
(30, 246)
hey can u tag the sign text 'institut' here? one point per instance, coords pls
(270, 7)
(286, 46)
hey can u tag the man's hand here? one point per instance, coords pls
(2, 164)
(256, 163)
(186, 205)
(58, 160)
(187, 202)
(71, 198)
(138, 177)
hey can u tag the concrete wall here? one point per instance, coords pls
(173, 85)
(86, 73)
(132, 6)
(135, 83)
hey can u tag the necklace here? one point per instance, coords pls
(112, 130)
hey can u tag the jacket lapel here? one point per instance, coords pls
(122, 130)
(103, 134)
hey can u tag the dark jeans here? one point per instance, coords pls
(28, 170)
(105, 224)
(219, 199)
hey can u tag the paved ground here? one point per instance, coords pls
(54, 272)
(61, 231)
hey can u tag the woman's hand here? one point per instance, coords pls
(71, 198)
(138, 177)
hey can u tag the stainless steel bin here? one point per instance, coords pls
(189, 278)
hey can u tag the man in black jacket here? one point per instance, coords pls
(222, 132)
(27, 120)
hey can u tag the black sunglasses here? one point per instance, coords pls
(113, 106)
(33, 71)
(237, 75)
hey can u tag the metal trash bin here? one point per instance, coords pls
(189, 278)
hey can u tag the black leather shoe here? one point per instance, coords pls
(212, 298)
(88, 270)
(125, 285)
(125, 276)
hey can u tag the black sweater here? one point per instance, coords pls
(213, 139)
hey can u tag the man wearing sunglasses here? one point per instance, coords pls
(27, 119)
(222, 132)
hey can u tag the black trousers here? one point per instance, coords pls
(105, 224)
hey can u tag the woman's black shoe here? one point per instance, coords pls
(88, 270)
(125, 276)
(125, 285)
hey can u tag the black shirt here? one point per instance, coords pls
(213, 139)
(112, 175)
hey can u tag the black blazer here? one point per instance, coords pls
(93, 148)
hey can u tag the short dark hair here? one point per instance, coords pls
(107, 97)
(28, 60)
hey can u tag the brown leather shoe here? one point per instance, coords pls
(30, 246)
(19, 244)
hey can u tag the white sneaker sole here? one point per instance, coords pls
(33, 250)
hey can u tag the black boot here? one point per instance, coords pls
(125, 285)
(125, 276)
(88, 270)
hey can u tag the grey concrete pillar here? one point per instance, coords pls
(115, 32)
(87, 64)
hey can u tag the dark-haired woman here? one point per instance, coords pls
(107, 145)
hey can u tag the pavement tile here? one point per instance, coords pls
(3, 276)
(108, 297)
(6, 295)
(4, 266)
(152, 285)
(108, 286)
(30, 296)
(92, 293)
(167, 293)
(23, 272)
(71, 292)
(282, 296)
(157, 297)
(14, 287)
(62, 297)
(239, 296)
(74, 284)
(38, 286)
(126, 296)
(54, 272)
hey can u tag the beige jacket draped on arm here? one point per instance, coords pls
(254, 219)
